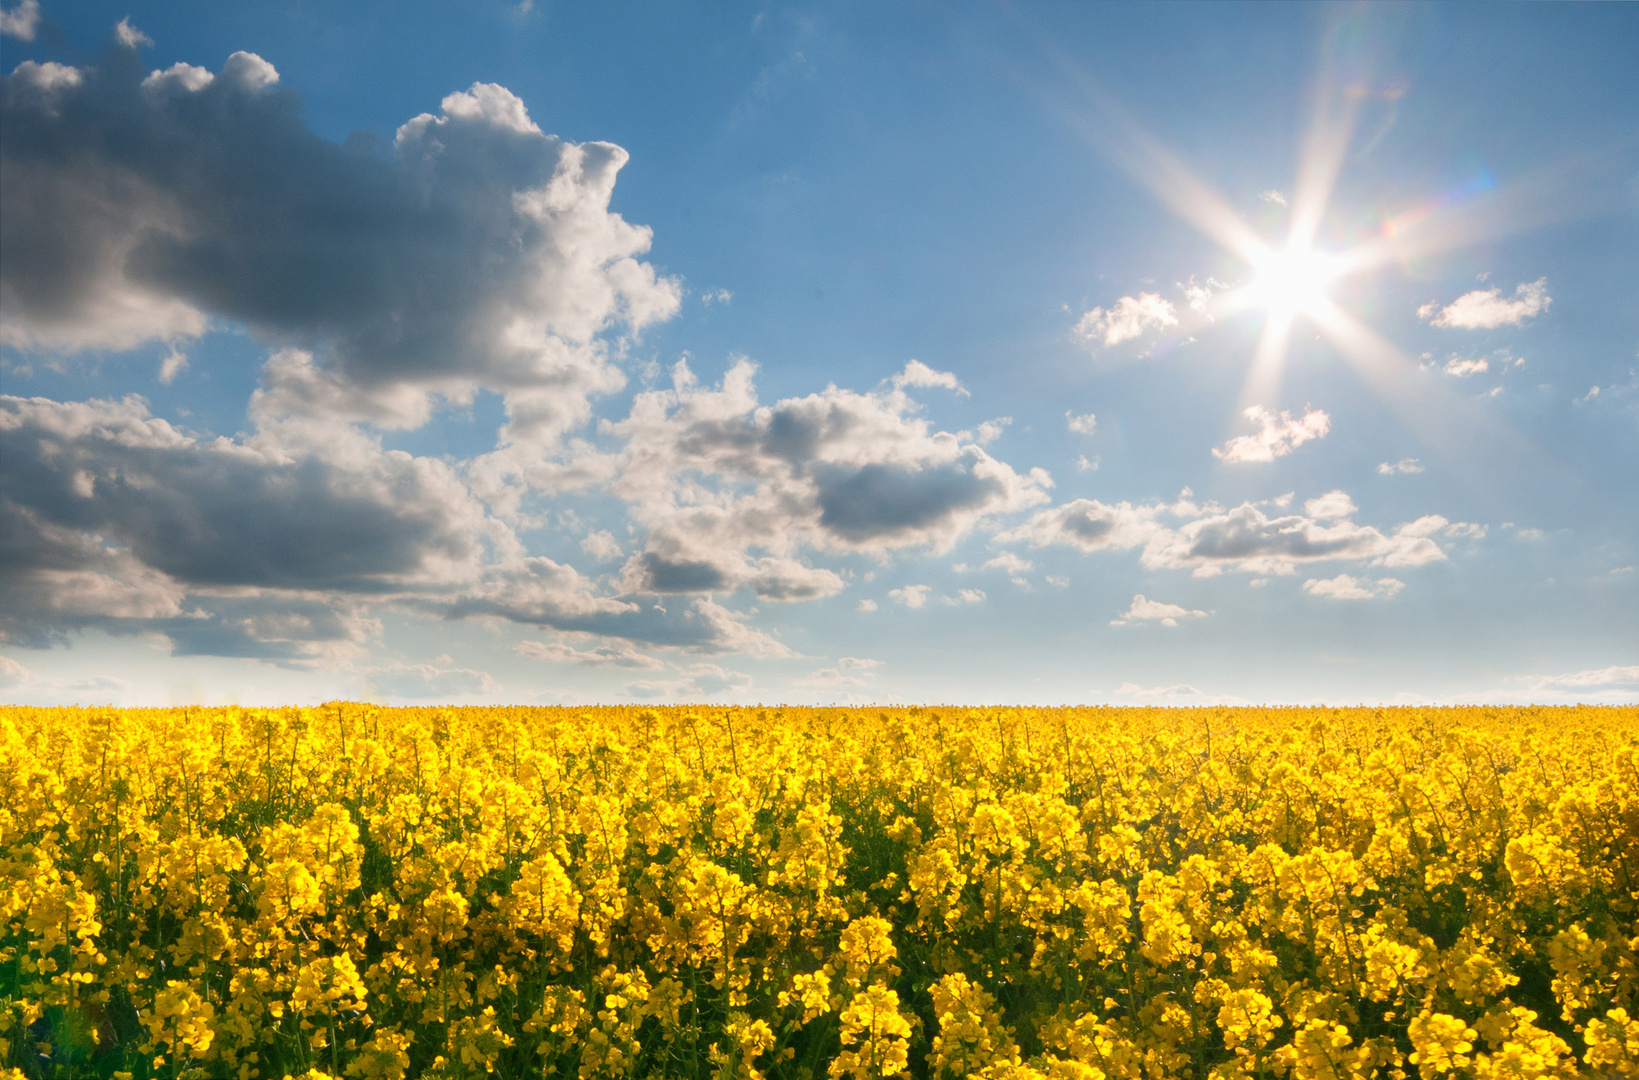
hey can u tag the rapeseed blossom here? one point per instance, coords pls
(357, 893)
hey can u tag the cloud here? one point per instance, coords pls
(716, 296)
(1011, 565)
(1143, 609)
(1485, 309)
(21, 21)
(1277, 435)
(1403, 466)
(428, 682)
(279, 545)
(601, 545)
(1211, 540)
(129, 36)
(12, 673)
(1084, 425)
(699, 681)
(614, 654)
(1332, 506)
(1461, 368)
(867, 605)
(732, 492)
(1619, 677)
(911, 596)
(964, 596)
(1128, 318)
(1273, 196)
(172, 364)
(917, 373)
(1345, 587)
(472, 251)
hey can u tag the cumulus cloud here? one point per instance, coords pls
(866, 605)
(130, 36)
(1011, 565)
(1347, 587)
(472, 251)
(1276, 437)
(12, 673)
(964, 596)
(22, 21)
(279, 545)
(698, 682)
(1210, 540)
(1127, 318)
(601, 545)
(1143, 609)
(614, 654)
(1408, 465)
(911, 596)
(1618, 677)
(917, 373)
(1083, 425)
(1487, 309)
(1460, 368)
(429, 682)
(732, 492)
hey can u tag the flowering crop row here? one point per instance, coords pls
(353, 891)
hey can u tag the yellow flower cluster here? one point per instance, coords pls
(818, 894)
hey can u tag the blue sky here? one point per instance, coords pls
(970, 353)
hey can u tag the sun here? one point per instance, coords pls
(1292, 281)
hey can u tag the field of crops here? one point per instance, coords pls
(354, 891)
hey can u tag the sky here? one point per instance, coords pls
(972, 353)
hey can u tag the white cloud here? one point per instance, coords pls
(1404, 465)
(1011, 565)
(1461, 368)
(1128, 318)
(1212, 540)
(1485, 309)
(1200, 296)
(1057, 582)
(172, 364)
(1332, 506)
(429, 682)
(1273, 196)
(1086, 464)
(21, 21)
(867, 605)
(130, 36)
(991, 430)
(912, 596)
(1143, 609)
(1531, 534)
(716, 296)
(917, 373)
(1347, 587)
(1085, 424)
(963, 596)
(860, 663)
(12, 673)
(1277, 436)
(601, 545)
(1593, 392)
(732, 492)
(699, 681)
(611, 654)
(1619, 677)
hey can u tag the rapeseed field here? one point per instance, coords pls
(1013, 894)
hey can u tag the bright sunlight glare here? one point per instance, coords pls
(1293, 281)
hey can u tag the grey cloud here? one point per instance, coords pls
(475, 250)
(879, 501)
(732, 492)
(280, 546)
(1211, 540)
